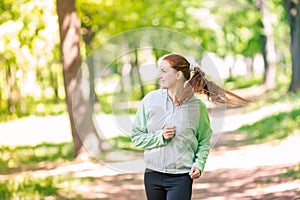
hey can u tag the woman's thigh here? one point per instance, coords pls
(179, 187)
(153, 186)
(161, 186)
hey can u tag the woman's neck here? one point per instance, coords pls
(175, 92)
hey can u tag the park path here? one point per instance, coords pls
(35, 130)
(234, 169)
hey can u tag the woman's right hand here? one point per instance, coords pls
(169, 132)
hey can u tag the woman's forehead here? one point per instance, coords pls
(164, 64)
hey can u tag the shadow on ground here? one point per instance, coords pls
(251, 184)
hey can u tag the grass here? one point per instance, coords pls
(293, 173)
(275, 127)
(30, 187)
(239, 82)
(123, 143)
(32, 106)
(276, 96)
(20, 158)
(290, 174)
(24, 160)
(279, 125)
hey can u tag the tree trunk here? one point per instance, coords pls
(90, 62)
(293, 15)
(10, 105)
(269, 53)
(85, 138)
(88, 36)
(54, 84)
(136, 67)
(157, 56)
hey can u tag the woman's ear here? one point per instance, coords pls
(179, 75)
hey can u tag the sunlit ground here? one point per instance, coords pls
(236, 168)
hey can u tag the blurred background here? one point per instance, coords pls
(60, 63)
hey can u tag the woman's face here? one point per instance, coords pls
(167, 76)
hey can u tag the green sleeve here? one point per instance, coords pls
(204, 133)
(140, 137)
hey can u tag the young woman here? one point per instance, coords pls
(173, 127)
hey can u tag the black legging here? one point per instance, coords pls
(162, 186)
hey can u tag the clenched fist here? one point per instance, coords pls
(169, 132)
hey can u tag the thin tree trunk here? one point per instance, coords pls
(54, 84)
(84, 135)
(1, 87)
(157, 56)
(136, 67)
(88, 36)
(270, 53)
(10, 105)
(90, 62)
(293, 15)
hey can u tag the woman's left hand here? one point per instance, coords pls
(195, 172)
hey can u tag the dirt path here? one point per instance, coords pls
(259, 183)
(233, 171)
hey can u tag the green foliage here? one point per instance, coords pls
(105, 19)
(105, 101)
(29, 42)
(293, 173)
(20, 157)
(31, 106)
(31, 187)
(123, 143)
(240, 27)
(28, 187)
(281, 31)
(136, 94)
(278, 126)
(29, 158)
(275, 96)
(28, 52)
(23, 158)
(238, 82)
